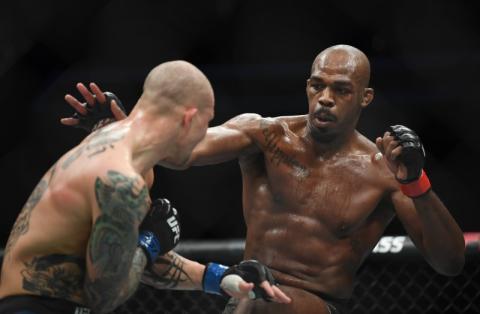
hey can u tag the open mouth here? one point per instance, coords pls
(324, 118)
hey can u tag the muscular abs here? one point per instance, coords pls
(310, 219)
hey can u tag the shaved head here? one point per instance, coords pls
(344, 59)
(177, 83)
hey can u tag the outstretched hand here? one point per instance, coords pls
(236, 287)
(254, 280)
(93, 97)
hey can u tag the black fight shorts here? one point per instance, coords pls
(32, 304)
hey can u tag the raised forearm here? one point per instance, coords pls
(429, 224)
(171, 271)
(442, 238)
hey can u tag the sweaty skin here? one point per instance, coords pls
(315, 198)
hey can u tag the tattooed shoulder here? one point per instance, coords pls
(98, 143)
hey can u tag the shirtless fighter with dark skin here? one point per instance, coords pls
(318, 195)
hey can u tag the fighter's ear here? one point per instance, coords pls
(368, 94)
(188, 115)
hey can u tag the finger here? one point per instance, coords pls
(86, 93)
(387, 138)
(379, 143)
(280, 296)
(265, 285)
(396, 152)
(98, 93)
(242, 292)
(72, 101)
(245, 287)
(391, 146)
(117, 112)
(69, 121)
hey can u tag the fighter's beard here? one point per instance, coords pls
(321, 136)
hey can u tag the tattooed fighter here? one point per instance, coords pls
(74, 246)
(318, 195)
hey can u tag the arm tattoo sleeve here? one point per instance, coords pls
(170, 272)
(123, 202)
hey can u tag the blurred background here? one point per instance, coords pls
(425, 58)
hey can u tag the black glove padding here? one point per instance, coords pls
(413, 153)
(255, 272)
(97, 113)
(161, 221)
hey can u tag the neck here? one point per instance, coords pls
(328, 144)
(152, 138)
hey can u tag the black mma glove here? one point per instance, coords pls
(250, 271)
(413, 153)
(160, 230)
(97, 114)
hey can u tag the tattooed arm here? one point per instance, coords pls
(172, 271)
(114, 264)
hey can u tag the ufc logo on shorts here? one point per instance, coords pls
(173, 223)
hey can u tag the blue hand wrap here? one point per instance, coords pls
(212, 277)
(150, 244)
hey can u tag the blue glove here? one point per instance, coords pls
(250, 271)
(160, 230)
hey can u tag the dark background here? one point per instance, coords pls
(425, 58)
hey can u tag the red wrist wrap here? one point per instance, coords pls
(417, 188)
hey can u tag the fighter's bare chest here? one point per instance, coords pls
(340, 191)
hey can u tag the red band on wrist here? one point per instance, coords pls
(417, 188)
